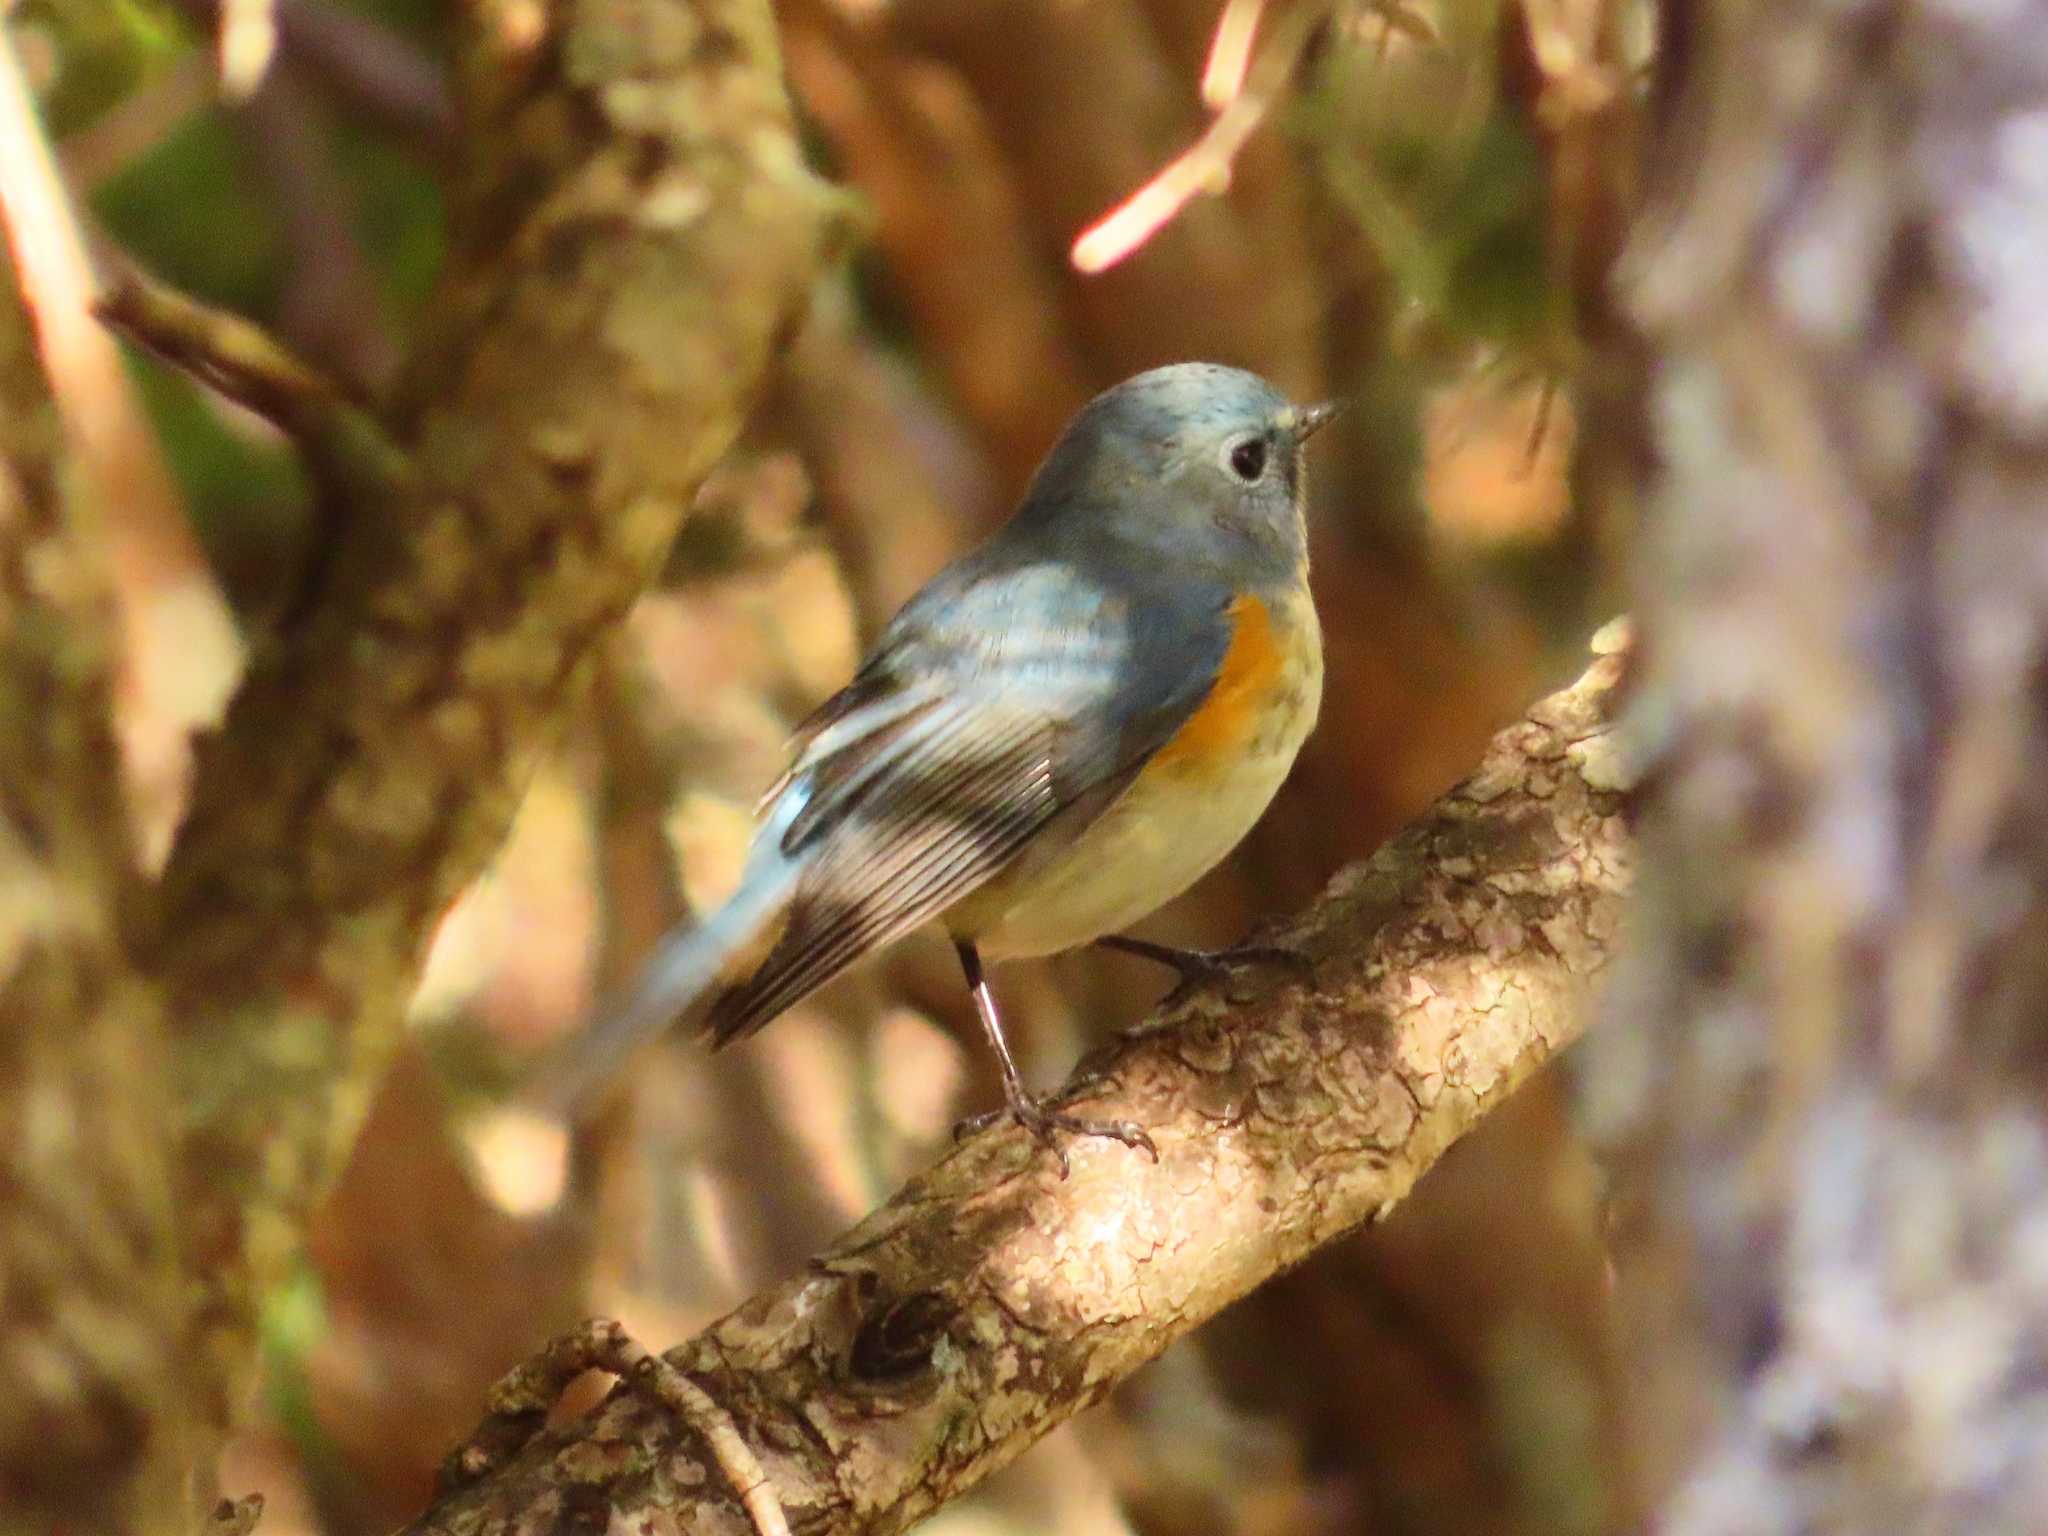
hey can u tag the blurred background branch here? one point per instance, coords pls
(89, 1307)
(164, 595)
(1824, 1100)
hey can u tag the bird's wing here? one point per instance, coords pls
(981, 715)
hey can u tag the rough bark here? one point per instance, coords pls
(990, 1300)
(635, 230)
(1825, 1077)
(88, 1300)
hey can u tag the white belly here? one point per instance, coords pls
(1167, 830)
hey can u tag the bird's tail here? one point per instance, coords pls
(686, 971)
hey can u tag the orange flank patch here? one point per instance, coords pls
(1226, 721)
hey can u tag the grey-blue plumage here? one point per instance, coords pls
(1009, 704)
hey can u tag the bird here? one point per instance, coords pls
(1059, 733)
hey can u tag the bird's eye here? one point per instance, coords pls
(1248, 460)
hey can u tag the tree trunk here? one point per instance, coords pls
(1824, 1066)
(635, 234)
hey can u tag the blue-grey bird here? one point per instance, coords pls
(1061, 732)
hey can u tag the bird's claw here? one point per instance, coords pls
(1048, 1125)
(1217, 964)
(1200, 967)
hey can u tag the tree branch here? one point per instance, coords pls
(343, 443)
(634, 233)
(990, 1300)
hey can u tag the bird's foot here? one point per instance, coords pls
(1048, 1125)
(1201, 967)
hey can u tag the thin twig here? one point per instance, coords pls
(224, 352)
(518, 1406)
(696, 1407)
(252, 368)
(1539, 426)
(1230, 53)
(1205, 165)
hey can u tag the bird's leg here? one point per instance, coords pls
(1197, 966)
(1018, 1103)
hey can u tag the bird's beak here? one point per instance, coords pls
(1311, 419)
